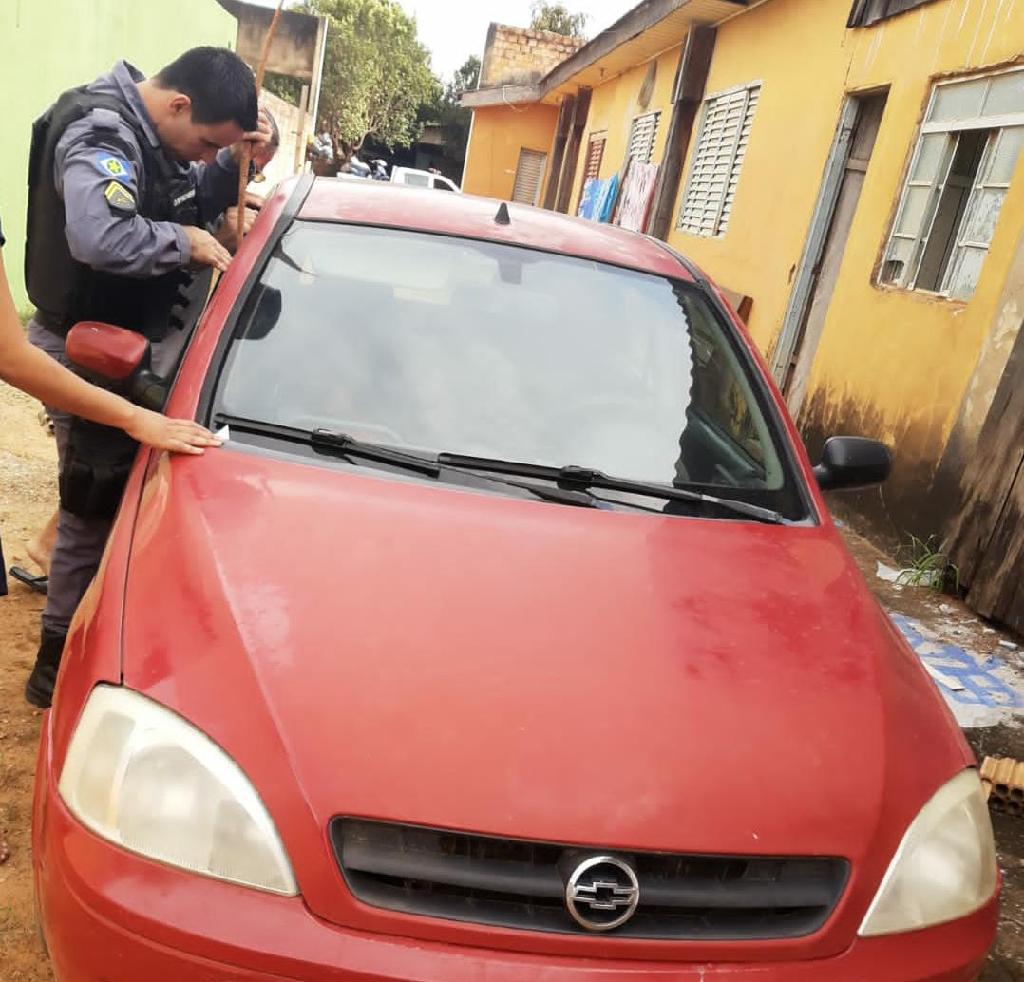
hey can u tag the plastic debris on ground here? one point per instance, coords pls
(981, 690)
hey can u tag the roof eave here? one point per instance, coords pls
(498, 95)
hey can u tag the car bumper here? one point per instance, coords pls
(109, 915)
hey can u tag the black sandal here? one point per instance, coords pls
(37, 583)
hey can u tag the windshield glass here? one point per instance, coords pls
(440, 344)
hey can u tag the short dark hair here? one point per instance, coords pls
(221, 86)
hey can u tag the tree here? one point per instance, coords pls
(284, 87)
(454, 119)
(556, 17)
(376, 73)
(465, 79)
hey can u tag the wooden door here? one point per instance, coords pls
(987, 539)
(862, 144)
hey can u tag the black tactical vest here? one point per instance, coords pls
(66, 291)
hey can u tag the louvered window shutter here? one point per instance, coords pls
(642, 137)
(529, 177)
(595, 154)
(718, 161)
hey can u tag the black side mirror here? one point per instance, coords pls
(850, 462)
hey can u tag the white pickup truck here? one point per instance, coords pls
(422, 179)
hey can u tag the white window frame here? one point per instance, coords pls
(936, 186)
(733, 165)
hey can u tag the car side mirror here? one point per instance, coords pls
(109, 354)
(850, 462)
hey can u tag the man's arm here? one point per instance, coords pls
(97, 170)
(31, 370)
(217, 183)
(217, 186)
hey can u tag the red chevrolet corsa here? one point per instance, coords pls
(507, 639)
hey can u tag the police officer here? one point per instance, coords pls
(28, 369)
(124, 174)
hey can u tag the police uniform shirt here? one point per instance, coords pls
(98, 173)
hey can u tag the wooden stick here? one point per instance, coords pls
(243, 165)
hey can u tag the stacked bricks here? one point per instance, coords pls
(1003, 780)
(518, 56)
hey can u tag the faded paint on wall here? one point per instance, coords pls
(52, 46)
(499, 133)
(616, 104)
(891, 364)
(796, 51)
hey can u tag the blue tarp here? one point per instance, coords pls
(598, 199)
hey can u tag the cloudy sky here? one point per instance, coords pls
(455, 29)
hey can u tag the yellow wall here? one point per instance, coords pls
(615, 105)
(891, 363)
(499, 133)
(796, 50)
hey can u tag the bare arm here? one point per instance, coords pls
(31, 370)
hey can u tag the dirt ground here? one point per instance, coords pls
(27, 477)
(28, 480)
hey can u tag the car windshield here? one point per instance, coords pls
(438, 344)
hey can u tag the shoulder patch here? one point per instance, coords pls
(120, 198)
(111, 165)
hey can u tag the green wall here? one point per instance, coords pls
(51, 45)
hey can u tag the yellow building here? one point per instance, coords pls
(849, 171)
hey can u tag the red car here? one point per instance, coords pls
(507, 639)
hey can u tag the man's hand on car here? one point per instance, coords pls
(206, 250)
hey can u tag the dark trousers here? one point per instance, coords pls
(80, 541)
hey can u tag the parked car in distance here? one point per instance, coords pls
(508, 637)
(422, 179)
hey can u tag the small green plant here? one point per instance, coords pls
(925, 562)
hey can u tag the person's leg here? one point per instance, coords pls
(40, 546)
(78, 548)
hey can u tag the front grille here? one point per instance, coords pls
(520, 884)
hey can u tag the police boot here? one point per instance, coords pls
(39, 688)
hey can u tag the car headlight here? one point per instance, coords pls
(945, 867)
(140, 776)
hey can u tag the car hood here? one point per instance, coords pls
(445, 657)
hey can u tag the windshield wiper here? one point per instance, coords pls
(585, 478)
(344, 445)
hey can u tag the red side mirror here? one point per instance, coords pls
(107, 351)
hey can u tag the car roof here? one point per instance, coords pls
(397, 206)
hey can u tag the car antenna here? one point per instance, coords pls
(503, 217)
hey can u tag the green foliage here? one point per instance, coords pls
(926, 563)
(556, 17)
(376, 73)
(446, 110)
(465, 79)
(284, 87)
